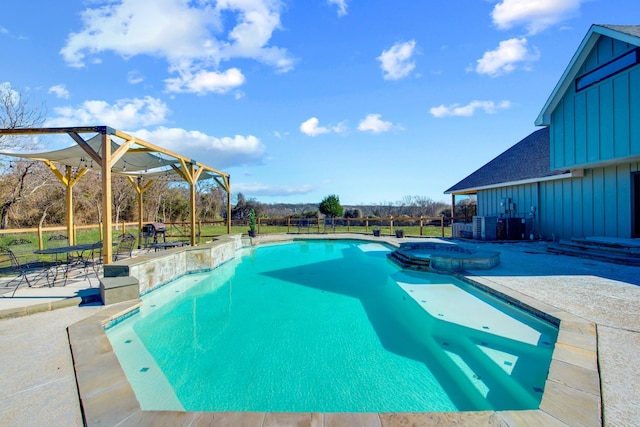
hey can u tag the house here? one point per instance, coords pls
(579, 176)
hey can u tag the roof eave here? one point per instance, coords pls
(590, 39)
(471, 190)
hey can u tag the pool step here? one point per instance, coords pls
(410, 263)
(613, 251)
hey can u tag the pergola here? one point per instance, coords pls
(134, 158)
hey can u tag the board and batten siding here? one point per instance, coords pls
(600, 124)
(524, 196)
(599, 204)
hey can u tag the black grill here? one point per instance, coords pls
(153, 230)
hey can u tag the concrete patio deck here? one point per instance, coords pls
(39, 381)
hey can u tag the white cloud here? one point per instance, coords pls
(311, 127)
(190, 36)
(468, 110)
(216, 152)
(374, 123)
(60, 91)
(134, 77)
(340, 128)
(124, 114)
(504, 58)
(203, 81)
(8, 92)
(396, 62)
(342, 6)
(280, 135)
(535, 16)
(253, 189)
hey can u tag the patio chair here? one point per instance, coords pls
(57, 241)
(124, 247)
(19, 273)
(23, 251)
(94, 260)
(10, 268)
(330, 224)
(303, 224)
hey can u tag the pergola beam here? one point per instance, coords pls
(140, 189)
(68, 179)
(74, 129)
(86, 147)
(189, 170)
(107, 197)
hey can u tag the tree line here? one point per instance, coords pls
(31, 196)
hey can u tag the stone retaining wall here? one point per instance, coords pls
(157, 268)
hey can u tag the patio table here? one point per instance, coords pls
(65, 251)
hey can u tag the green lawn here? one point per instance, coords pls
(208, 232)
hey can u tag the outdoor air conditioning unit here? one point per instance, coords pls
(484, 227)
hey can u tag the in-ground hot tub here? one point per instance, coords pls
(443, 256)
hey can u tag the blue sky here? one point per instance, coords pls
(371, 100)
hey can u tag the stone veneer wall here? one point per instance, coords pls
(157, 268)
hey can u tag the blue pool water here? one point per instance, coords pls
(330, 326)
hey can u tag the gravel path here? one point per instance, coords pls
(38, 381)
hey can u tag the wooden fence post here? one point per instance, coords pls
(40, 246)
(288, 224)
(421, 224)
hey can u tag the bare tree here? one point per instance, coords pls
(88, 199)
(20, 181)
(152, 199)
(16, 111)
(466, 208)
(123, 197)
(210, 202)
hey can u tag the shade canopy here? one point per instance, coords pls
(138, 161)
(133, 158)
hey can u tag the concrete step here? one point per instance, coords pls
(623, 246)
(595, 252)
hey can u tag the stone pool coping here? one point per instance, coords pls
(571, 397)
(445, 257)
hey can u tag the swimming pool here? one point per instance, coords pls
(330, 326)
